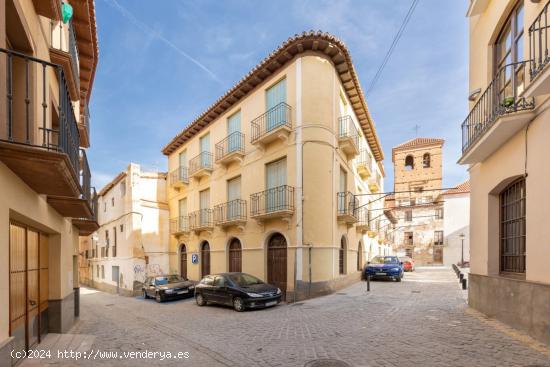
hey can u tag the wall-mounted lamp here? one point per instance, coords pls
(473, 94)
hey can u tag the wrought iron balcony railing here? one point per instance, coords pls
(201, 161)
(94, 203)
(347, 204)
(363, 218)
(365, 159)
(233, 143)
(85, 177)
(87, 119)
(277, 199)
(230, 212)
(200, 219)
(179, 224)
(57, 41)
(347, 129)
(179, 176)
(28, 107)
(539, 43)
(502, 96)
(276, 117)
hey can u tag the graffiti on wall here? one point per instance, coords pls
(142, 271)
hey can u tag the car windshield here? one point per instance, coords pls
(168, 279)
(385, 260)
(244, 280)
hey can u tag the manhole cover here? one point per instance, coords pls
(326, 363)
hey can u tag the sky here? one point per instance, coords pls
(163, 63)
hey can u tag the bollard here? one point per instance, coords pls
(461, 276)
(464, 284)
(368, 283)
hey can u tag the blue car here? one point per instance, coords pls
(384, 267)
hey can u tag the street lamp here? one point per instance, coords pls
(462, 236)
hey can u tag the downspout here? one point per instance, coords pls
(299, 178)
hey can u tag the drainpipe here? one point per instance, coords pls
(299, 179)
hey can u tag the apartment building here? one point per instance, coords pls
(417, 184)
(276, 177)
(505, 146)
(456, 224)
(47, 69)
(132, 241)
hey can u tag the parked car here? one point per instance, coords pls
(163, 287)
(408, 263)
(384, 267)
(239, 290)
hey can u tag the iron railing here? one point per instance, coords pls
(502, 96)
(71, 48)
(363, 217)
(347, 203)
(280, 198)
(179, 224)
(538, 43)
(180, 174)
(231, 211)
(365, 158)
(94, 203)
(85, 177)
(86, 119)
(347, 129)
(234, 142)
(201, 161)
(201, 218)
(277, 116)
(27, 106)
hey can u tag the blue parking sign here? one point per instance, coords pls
(195, 258)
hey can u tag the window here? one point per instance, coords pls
(426, 161)
(121, 228)
(114, 242)
(87, 254)
(97, 270)
(102, 251)
(104, 206)
(341, 256)
(112, 201)
(102, 272)
(219, 281)
(438, 238)
(409, 162)
(439, 213)
(107, 237)
(512, 228)
(408, 216)
(409, 252)
(408, 238)
(122, 188)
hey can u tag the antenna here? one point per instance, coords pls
(416, 128)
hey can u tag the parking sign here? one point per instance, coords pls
(195, 258)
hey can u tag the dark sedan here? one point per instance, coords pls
(239, 290)
(164, 287)
(389, 267)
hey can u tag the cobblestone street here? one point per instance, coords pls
(423, 321)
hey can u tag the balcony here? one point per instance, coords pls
(230, 149)
(374, 182)
(277, 202)
(348, 137)
(179, 177)
(179, 225)
(538, 54)
(272, 125)
(232, 213)
(201, 165)
(364, 164)
(48, 8)
(84, 127)
(64, 52)
(499, 114)
(201, 220)
(39, 141)
(347, 206)
(87, 226)
(363, 220)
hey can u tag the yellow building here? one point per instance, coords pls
(505, 145)
(265, 180)
(46, 74)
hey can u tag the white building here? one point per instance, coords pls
(133, 239)
(456, 224)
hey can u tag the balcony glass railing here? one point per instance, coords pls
(272, 200)
(274, 118)
(233, 143)
(232, 211)
(502, 96)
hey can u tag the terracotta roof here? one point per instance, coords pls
(318, 42)
(416, 143)
(463, 188)
(111, 184)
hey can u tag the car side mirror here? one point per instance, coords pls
(401, 263)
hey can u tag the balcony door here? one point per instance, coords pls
(204, 146)
(233, 194)
(233, 128)
(342, 185)
(274, 96)
(275, 180)
(182, 211)
(204, 202)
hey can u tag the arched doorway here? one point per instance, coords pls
(183, 261)
(360, 256)
(276, 262)
(235, 256)
(205, 259)
(341, 256)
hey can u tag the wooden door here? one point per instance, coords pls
(183, 261)
(277, 262)
(438, 254)
(235, 256)
(341, 256)
(205, 261)
(18, 287)
(33, 270)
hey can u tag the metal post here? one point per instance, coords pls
(368, 283)
(462, 257)
(464, 284)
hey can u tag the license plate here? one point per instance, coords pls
(380, 273)
(184, 291)
(271, 303)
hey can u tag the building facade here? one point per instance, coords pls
(132, 241)
(277, 177)
(456, 225)
(505, 146)
(46, 74)
(418, 172)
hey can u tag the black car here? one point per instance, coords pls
(239, 290)
(163, 287)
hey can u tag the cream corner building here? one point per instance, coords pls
(505, 145)
(47, 70)
(275, 178)
(132, 240)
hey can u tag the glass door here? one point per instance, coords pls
(274, 96)
(233, 128)
(204, 143)
(233, 194)
(275, 182)
(204, 201)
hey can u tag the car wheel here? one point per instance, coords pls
(399, 278)
(158, 297)
(238, 304)
(200, 300)
(145, 296)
